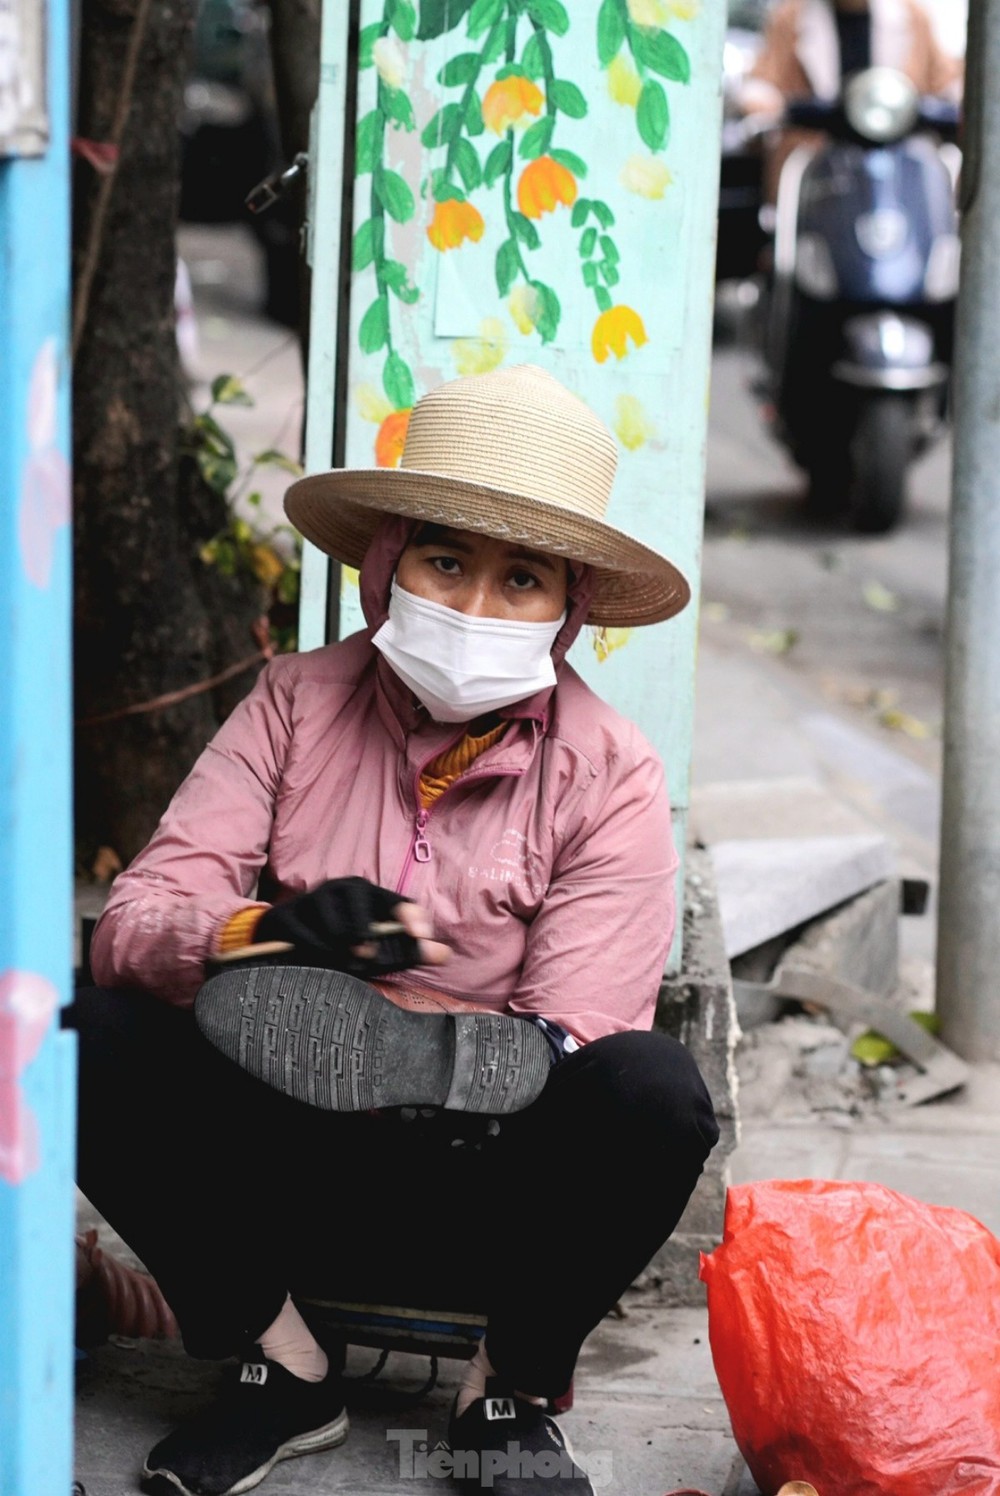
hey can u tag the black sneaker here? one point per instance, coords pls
(330, 1040)
(511, 1447)
(265, 1415)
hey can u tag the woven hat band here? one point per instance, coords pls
(552, 448)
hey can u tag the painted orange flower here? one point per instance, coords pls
(543, 186)
(453, 222)
(612, 330)
(390, 438)
(509, 102)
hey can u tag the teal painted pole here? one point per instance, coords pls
(37, 1062)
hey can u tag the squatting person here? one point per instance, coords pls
(374, 1007)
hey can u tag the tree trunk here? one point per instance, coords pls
(147, 620)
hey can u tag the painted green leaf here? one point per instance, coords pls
(580, 210)
(603, 299)
(497, 162)
(652, 115)
(587, 241)
(227, 389)
(567, 98)
(602, 213)
(609, 273)
(366, 44)
(507, 266)
(397, 381)
(466, 159)
(610, 31)
(532, 58)
(548, 311)
(483, 15)
(363, 249)
(661, 53)
(572, 163)
(500, 39)
(590, 274)
(610, 250)
(535, 140)
(394, 195)
(441, 126)
(402, 17)
(473, 114)
(550, 14)
(439, 16)
(397, 107)
(445, 191)
(525, 230)
(511, 70)
(460, 69)
(396, 277)
(374, 329)
(368, 142)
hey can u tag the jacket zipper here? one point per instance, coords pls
(420, 849)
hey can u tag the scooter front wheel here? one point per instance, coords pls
(881, 449)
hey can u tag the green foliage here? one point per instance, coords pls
(537, 137)
(397, 381)
(374, 329)
(394, 194)
(550, 14)
(439, 16)
(611, 27)
(567, 98)
(661, 53)
(483, 15)
(652, 115)
(497, 162)
(508, 266)
(271, 556)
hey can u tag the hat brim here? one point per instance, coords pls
(339, 512)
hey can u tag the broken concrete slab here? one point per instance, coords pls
(752, 809)
(775, 884)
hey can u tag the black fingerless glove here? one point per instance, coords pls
(324, 924)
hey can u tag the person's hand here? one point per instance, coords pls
(337, 925)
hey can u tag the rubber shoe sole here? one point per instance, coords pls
(332, 1041)
(164, 1482)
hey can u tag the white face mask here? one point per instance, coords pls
(462, 667)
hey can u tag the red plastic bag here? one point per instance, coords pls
(856, 1338)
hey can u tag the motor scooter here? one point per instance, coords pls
(858, 319)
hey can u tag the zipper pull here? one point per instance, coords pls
(421, 847)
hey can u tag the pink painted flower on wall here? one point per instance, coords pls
(27, 1004)
(45, 477)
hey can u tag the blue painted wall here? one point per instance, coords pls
(37, 1063)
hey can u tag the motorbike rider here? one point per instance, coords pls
(811, 46)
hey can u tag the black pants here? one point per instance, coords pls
(233, 1195)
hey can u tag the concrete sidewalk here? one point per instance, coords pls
(648, 1415)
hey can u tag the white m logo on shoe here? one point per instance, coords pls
(254, 1371)
(499, 1407)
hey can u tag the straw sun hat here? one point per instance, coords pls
(511, 454)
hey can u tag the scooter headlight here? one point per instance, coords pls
(881, 104)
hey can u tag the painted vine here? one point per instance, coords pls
(497, 131)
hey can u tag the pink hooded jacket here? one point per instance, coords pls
(548, 866)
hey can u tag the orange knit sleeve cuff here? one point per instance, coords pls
(239, 929)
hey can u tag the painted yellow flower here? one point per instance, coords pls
(523, 307)
(391, 438)
(646, 176)
(480, 355)
(543, 186)
(612, 331)
(624, 83)
(453, 223)
(631, 424)
(372, 404)
(659, 12)
(606, 641)
(509, 102)
(390, 64)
